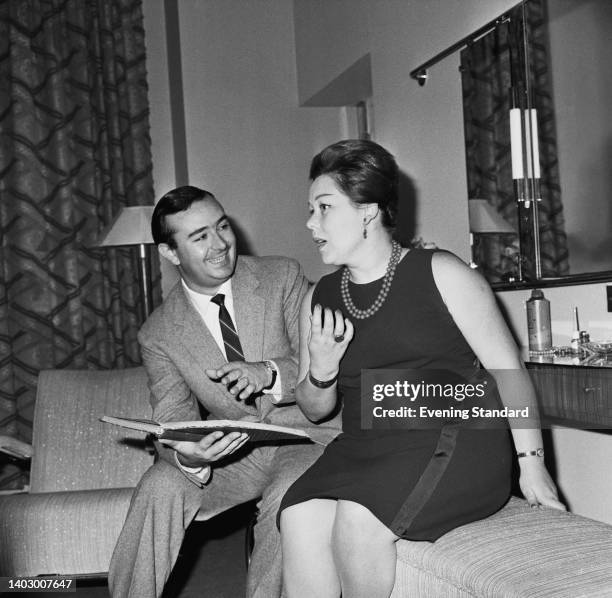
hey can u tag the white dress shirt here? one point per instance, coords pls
(209, 312)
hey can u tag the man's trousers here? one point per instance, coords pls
(165, 502)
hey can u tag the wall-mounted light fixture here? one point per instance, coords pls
(525, 154)
(419, 74)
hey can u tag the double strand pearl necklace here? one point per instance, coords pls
(362, 314)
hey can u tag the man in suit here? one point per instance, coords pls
(224, 340)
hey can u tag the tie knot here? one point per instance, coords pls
(219, 299)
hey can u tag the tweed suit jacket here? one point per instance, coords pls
(177, 348)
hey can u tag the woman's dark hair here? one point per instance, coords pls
(174, 201)
(364, 171)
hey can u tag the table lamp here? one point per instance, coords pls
(485, 219)
(132, 226)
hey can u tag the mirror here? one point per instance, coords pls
(581, 46)
(545, 61)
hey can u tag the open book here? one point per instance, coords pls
(195, 430)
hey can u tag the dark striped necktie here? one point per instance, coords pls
(233, 348)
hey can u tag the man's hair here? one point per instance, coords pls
(177, 200)
(364, 171)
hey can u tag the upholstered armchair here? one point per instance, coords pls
(82, 475)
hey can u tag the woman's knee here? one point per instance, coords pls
(355, 525)
(299, 514)
(309, 522)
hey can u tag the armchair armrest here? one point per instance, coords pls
(15, 448)
(61, 533)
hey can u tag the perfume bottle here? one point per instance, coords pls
(575, 342)
(579, 337)
(538, 322)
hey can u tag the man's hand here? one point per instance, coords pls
(210, 448)
(242, 378)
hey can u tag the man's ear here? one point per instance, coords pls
(170, 254)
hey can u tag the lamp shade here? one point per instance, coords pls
(131, 226)
(484, 218)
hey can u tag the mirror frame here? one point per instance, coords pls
(420, 75)
(557, 281)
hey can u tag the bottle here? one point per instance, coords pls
(575, 342)
(538, 322)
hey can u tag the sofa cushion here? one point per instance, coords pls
(517, 552)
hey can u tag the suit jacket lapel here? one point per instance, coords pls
(196, 337)
(200, 344)
(249, 305)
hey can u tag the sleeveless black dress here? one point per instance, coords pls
(420, 483)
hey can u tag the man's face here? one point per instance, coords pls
(205, 251)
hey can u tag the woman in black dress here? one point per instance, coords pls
(393, 308)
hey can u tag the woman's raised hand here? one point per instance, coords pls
(330, 334)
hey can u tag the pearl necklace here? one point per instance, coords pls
(362, 314)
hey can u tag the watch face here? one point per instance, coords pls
(540, 452)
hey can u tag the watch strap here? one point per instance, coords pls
(273, 373)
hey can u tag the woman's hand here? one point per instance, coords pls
(330, 334)
(537, 485)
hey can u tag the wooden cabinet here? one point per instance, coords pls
(574, 395)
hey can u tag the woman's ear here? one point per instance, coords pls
(370, 212)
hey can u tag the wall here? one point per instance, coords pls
(164, 173)
(581, 43)
(247, 139)
(159, 98)
(422, 126)
(250, 142)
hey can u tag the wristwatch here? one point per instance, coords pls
(273, 373)
(537, 453)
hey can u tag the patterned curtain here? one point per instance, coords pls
(491, 67)
(74, 148)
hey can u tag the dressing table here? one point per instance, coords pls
(573, 391)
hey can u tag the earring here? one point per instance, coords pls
(365, 229)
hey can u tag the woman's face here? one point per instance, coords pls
(335, 222)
